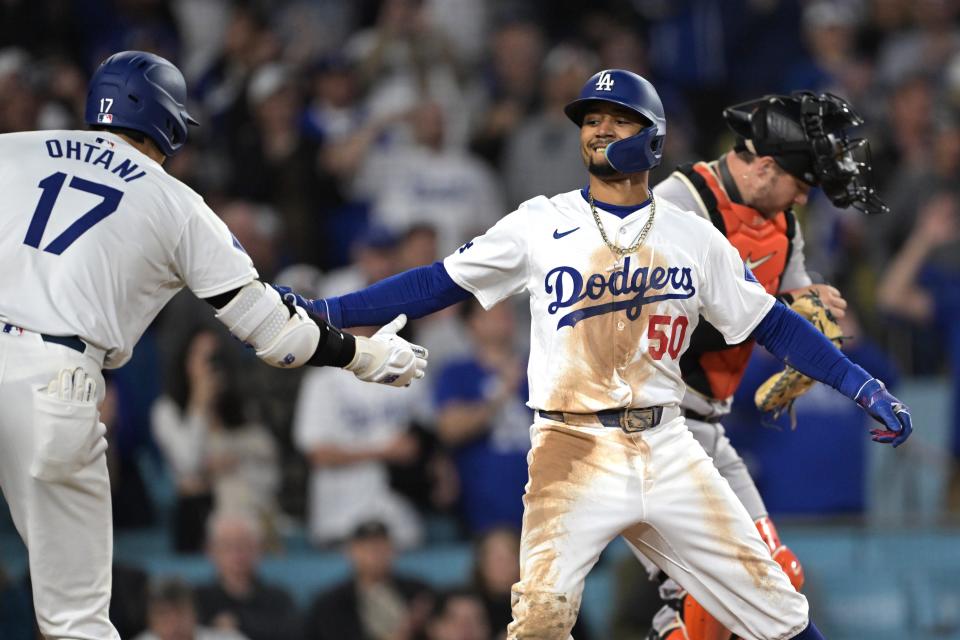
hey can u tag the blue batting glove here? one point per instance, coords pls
(291, 297)
(887, 410)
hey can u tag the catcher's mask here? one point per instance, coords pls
(807, 135)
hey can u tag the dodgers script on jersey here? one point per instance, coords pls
(608, 333)
(98, 238)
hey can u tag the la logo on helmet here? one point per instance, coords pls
(605, 82)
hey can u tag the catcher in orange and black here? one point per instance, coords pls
(785, 146)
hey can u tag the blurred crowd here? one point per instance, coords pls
(345, 141)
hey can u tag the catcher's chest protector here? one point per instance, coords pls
(763, 243)
(711, 366)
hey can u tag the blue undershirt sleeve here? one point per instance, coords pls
(787, 335)
(416, 292)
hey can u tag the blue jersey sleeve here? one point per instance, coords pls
(417, 292)
(788, 336)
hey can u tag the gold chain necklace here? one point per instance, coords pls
(643, 232)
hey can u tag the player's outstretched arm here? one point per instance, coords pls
(785, 334)
(415, 293)
(283, 335)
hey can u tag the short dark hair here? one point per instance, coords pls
(170, 591)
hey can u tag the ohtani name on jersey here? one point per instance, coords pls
(570, 287)
(96, 156)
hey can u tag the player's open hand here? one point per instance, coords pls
(888, 411)
(387, 358)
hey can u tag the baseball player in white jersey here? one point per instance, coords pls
(95, 238)
(618, 280)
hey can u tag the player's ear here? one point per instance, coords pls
(764, 166)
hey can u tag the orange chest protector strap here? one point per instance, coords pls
(764, 243)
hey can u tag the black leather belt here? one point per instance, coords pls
(699, 417)
(73, 342)
(630, 420)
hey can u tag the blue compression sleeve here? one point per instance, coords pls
(787, 335)
(417, 292)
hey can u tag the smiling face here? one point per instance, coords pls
(604, 123)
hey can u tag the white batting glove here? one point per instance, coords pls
(68, 434)
(73, 385)
(386, 358)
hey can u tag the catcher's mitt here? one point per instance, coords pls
(777, 394)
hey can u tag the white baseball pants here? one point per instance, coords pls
(660, 490)
(65, 522)
(713, 438)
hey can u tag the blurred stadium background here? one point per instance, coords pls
(343, 141)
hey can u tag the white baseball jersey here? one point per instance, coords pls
(96, 238)
(647, 303)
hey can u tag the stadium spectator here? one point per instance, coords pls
(221, 459)
(541, 156)
(19, 111)
(171, 615)
(403, 58)
(373, 257)
(274, 161)
(429, 181)
(922, 284)
(248, 43)
(375, 603)
(238, 600)
(509, 86)
(258, 228)
(483, 420)
(458, 615)
(179, 422)
(829, 31)
(350, 435)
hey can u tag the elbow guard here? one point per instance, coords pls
(258, 317)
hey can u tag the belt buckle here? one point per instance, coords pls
(636, 420)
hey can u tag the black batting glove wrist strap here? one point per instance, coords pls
(335, 349)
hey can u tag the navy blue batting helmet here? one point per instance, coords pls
(631, 91)
(144, 92)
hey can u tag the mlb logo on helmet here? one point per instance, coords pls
(104, 118)
(605, 82)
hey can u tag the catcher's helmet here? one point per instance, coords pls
(144, 92)
(627, 89)
(806, 134)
